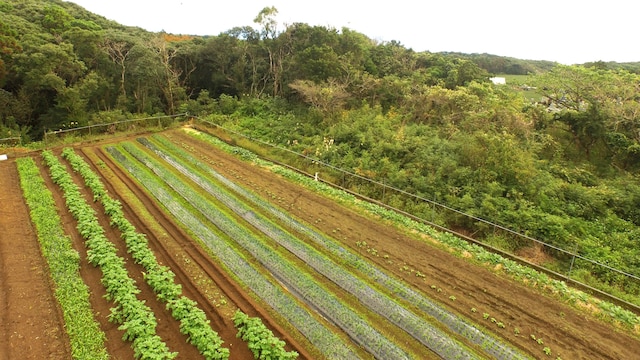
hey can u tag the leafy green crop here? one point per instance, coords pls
(87, 340)
(262, 343)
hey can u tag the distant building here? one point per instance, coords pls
(498, 80)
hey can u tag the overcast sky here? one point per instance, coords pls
(566, 31)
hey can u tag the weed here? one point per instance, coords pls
(547, 350)
(452, 298)
(474, 310)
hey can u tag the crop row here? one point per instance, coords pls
(331, 345)
(376, 301)
(262, 343)
(86, 338)
(490, 344)
(193, 321)
(135, 318)
(292, 276)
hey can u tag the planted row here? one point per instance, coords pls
(376, 301)
(301, 282)
(193, 321)
(262, 343)
(135, 318)
(86, 338)
(323, 338)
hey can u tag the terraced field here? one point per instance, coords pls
(202, 236)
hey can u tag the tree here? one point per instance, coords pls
(56, 20)
(275, 48)
(118, 47)
(598, 107)
(328, 97)
(168, 75)
(223, 64)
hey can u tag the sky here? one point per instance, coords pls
(565, 31)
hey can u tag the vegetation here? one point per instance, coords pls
(323, 338)
(193, 321)
(563, 169)
(135, 318)
(87, 340)
(263, 344)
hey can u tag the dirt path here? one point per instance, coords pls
(524, 312)
(31, 325)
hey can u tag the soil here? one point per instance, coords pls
(567, 332)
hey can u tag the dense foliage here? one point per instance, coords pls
(564, 170)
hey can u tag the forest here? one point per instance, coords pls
(564, 170)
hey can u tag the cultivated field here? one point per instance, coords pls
(202, 236)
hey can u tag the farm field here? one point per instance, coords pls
(320, 275)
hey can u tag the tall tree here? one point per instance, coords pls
(599, 108)
(168, 75)
(276, 48)
(118, 47)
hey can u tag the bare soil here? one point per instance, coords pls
(28, 308)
